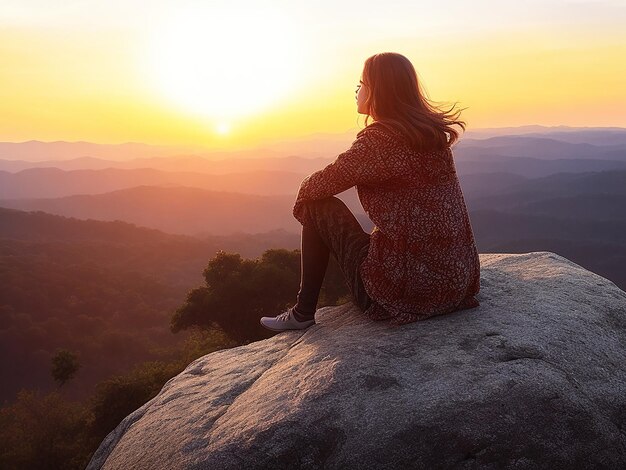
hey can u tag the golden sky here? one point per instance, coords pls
(234, 74)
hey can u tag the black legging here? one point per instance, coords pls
(334, 229)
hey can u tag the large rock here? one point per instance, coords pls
(533, 378)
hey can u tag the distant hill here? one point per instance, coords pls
(180, 210)
(534, 167)
(53, 182)
(594, 207)
(189, 163)
(599, 136)
(491, 227)
(589, 135)
(558, 185)
(42, 227)
(35, 150)
(536, 147)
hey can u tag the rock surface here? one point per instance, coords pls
(533, 378)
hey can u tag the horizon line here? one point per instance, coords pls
(303, 137)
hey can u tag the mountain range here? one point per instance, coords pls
(555, 185)
(99, 248)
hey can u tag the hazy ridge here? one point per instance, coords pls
(142, 235)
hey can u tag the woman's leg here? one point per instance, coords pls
(314, 256)
(335, 230)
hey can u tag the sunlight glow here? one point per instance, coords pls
(223, 128)
(227, 74)
(225, 64)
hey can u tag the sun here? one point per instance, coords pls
(223, 63)
(222, 128)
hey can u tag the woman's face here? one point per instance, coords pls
(362, 92)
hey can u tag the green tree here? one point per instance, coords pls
(64, 366)
(238, 292)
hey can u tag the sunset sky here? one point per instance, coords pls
(230, 74)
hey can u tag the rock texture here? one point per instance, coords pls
(533, 378)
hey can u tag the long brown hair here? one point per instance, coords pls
(396, 101)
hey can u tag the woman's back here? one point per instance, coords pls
(422, 259)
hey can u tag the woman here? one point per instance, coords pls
(420, 259)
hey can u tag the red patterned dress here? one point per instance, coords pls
(422, 259)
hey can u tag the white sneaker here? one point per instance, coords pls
(285, 321)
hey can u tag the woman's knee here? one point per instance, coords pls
(333, 216)
(326, 204)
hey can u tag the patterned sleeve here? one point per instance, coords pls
(360, 164)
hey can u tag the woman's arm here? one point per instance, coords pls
(360, 164)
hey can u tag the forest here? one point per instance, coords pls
(97, 316)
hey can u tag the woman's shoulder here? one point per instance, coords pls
(379, 133)
(385, 135)
(378, 127)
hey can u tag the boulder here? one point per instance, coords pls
(535, 377)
